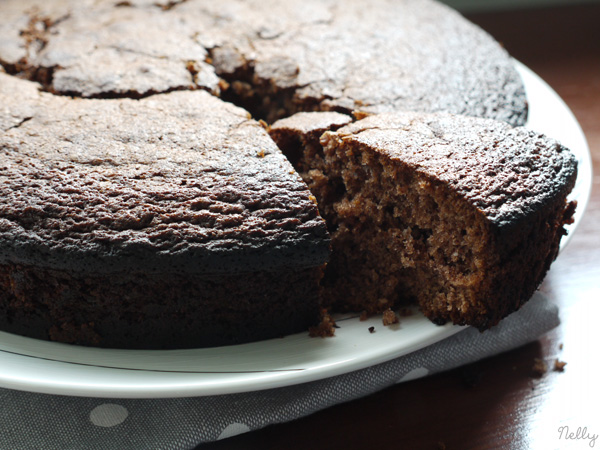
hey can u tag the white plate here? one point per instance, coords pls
(47, 367)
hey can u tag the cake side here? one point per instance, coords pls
(137, 310)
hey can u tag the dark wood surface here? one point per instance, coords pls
(497, 403)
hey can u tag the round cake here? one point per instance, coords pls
(144, 206)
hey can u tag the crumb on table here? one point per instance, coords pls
(325, 328)
(389, 317)
(559, 366)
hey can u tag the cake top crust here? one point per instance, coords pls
(179, 182)
(415, 55)
(311, 122)
(507, 173)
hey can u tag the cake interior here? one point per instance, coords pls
(398, 237)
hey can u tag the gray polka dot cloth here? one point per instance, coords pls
(30, 421)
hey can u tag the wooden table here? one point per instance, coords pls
(497, 403)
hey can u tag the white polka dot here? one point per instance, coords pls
(233, 430)
(108, 415)
(414, 374)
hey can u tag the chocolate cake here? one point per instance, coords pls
(139, 208)
(462, 215)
